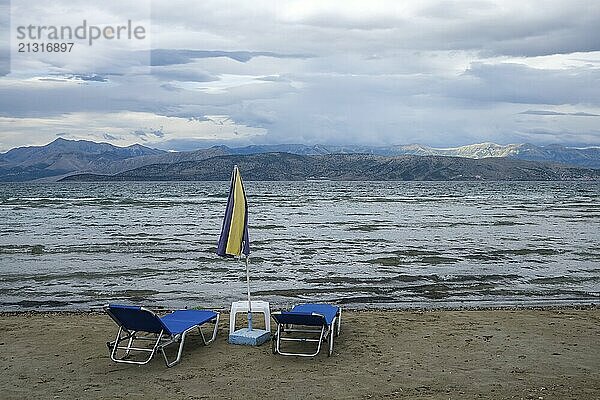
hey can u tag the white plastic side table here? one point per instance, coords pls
(258, 306)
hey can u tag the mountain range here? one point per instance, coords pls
(63, 158)
(368, 167)
(584, 157)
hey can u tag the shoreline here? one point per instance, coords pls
(384, 354)
(550, 307)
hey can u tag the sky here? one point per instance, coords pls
(438, 73)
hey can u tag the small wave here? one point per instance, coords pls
(435, 291)
(22, 248)
(365, 299)
(52, 199)
(319, 290)
(484, 256)
(81, 275)
(268, 226)
(505, 223)
(557, 280)
(496, 255)
(366, 227)
(11, 231)
(416, 253)
(403, 199)
(588, 255)
(215, 269)
(429, 260)
(387, 261)
(107, 201)
(24, 304)
(527, 251)
(135, 293)
(366, 280)
(482, 278)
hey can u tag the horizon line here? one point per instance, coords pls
(381, 146)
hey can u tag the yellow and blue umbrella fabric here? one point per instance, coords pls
(233, 241)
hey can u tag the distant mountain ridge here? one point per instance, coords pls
(64, 157)
(583, 157)
(352, 167)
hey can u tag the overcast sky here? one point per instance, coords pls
(439, 73)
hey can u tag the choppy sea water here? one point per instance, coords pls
(361, 244)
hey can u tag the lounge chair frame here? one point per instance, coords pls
(327, 332)
(160, 341)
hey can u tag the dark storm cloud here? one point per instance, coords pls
(517, 83)
(526, 29)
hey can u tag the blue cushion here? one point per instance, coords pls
(302, 314)
(182, 320)
(326, 310)
(133, 318)
(299, 318)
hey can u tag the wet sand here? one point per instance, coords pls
(490, 354)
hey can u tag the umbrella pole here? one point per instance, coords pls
(249, 302)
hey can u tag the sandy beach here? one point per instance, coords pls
(491, 354)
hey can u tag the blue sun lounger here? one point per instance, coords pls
(137, 324)
(323, 320)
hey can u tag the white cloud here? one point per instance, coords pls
(122, 128)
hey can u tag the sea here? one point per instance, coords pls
(78, 246)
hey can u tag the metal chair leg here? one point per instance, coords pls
(331, 335)
(182, 342)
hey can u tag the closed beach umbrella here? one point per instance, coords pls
(233, 241)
